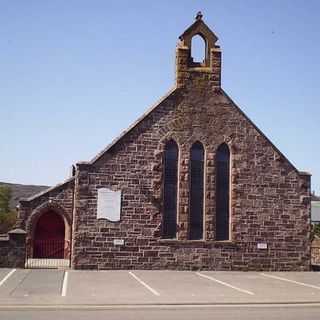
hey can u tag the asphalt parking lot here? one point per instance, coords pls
(140, 287)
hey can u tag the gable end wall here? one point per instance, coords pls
(270, 200)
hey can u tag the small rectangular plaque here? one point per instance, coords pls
(262, 245)
(118, 242)
(109, 204)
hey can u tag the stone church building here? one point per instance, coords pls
(192, 184)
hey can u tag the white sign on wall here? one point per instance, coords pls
(262, 245)
(118, 242)
(109, 204)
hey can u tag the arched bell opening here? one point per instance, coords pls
(198, 50)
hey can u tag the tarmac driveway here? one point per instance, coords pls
(140, 287)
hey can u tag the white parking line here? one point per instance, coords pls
(155, 292)
(7, 277)
(64, 284)
(225, 284)
(292, 281)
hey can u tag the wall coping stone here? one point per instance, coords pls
(4, 237)
(17, 231)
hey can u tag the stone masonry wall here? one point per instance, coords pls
(12, 250)
(270, 199)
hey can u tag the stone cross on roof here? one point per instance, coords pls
(199, 15)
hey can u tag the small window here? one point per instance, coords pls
(222, 192)
(169, 225)
(196, 191)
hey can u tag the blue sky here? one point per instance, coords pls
(74, 74)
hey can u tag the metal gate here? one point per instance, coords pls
(49, 253)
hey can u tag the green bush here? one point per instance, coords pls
(7, 221)
(8, 217)
(5, 196)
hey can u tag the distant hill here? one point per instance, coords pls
(22, 191)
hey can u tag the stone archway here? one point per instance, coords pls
(49, 237)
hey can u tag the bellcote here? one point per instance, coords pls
(203, 73)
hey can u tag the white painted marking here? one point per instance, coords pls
(292, 281)
(225, 284)
(156, 293)
(7, 277)
(64, 284)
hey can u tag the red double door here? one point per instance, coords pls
(49, 236)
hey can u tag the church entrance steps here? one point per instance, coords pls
(43, 263)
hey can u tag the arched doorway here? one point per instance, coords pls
(49, 236)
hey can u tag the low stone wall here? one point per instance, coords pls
(13, 249)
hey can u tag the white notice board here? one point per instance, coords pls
(109, 204)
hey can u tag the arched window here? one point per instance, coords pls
(196, 191)
(198, 49)
(169, 225)
(222, 192)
